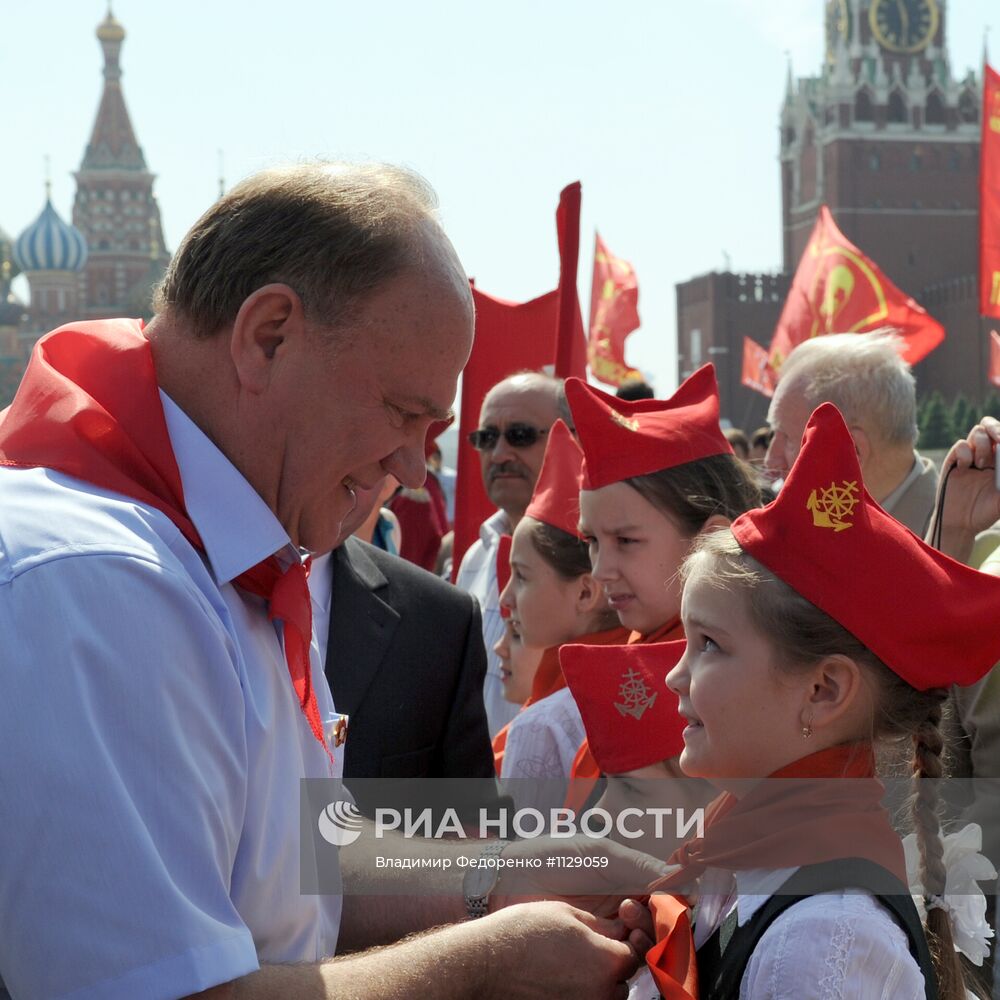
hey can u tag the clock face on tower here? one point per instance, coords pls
(904, 26)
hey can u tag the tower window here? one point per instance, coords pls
(916, 162)
(934, 109)
(863, 110)
(875, 162)
(968, 106)
(897, 108)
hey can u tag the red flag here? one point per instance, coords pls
(510, 337)
(989, 197)
(513, 337)
(837, 289)
(757, 371)
(614, 314)
(994, 370)
(570, 356)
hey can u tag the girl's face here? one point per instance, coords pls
(635, 551)
(518, 664)
(543, 606)
(745, 716)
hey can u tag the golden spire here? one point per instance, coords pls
(110, 30)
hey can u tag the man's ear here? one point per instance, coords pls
(862, 444)
(270, 321)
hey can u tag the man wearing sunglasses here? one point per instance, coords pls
(513, 427)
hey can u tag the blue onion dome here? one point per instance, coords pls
(49, 244)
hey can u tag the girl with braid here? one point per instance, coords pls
(818, 628)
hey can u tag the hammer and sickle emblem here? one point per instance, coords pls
(836, 295)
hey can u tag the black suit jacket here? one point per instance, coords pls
(405, 661)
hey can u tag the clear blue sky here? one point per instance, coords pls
(667, 111)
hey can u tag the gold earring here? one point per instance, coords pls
(807, 730)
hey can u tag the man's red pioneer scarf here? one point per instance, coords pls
(89, 407)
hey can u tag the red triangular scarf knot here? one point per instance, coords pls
(672, 960)
(288, 599)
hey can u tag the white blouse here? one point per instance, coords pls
(541, 744)
(832, 946)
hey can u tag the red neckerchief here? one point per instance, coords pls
(667, 632)
(89, 406)
(778, 825)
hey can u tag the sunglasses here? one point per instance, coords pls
(516, 435)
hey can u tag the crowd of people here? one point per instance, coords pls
(210, 596)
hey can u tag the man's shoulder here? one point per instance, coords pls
(482, 551)
(45, 515)
(403, 577)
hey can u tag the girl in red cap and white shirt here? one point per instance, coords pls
(551, 598)
(657, 473)
(802, 660)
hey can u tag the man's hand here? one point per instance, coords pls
(638, 921)
(593, 886)
(552, 949)
(534, 951)
(972, 502)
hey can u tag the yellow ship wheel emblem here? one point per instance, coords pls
(832, 507)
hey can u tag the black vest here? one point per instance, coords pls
(721, 964)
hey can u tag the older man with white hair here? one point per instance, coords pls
(865, 376)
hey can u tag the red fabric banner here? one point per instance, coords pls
(757, 372)
(837, 289)
(513, 337)
(994, 369)
(989, 197)
(571, 346)
(614, 314)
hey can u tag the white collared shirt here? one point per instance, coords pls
(835, 945)
(151, 743)
(478, 576)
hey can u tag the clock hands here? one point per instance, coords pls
(904, 21)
